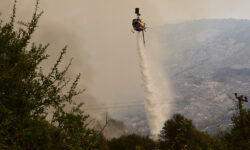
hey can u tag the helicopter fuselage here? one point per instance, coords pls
(138, 24)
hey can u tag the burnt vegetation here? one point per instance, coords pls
(27, 94)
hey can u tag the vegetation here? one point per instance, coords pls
(132, 142)
(27, 94)
(28, 97)
(239, 136)
(179, 133)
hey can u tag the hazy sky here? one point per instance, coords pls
(98, 35)
(179, 10)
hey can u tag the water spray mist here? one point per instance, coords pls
(153, 98)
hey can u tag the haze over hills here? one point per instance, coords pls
(206, 60)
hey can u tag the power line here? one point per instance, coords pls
(121, 105)
(128, 102)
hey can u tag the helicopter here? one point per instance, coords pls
(138, 24)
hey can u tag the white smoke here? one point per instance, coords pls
(109, 70)
(157, 91)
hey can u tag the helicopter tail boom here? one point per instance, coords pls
(137, 11)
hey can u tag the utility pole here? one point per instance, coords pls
(241, 99)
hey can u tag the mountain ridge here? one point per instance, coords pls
(207, 60)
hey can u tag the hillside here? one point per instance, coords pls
(207, 60)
